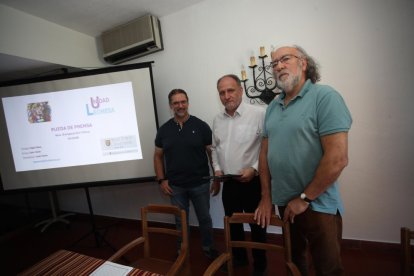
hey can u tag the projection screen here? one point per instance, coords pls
(89, 128)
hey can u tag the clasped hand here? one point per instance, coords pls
(246, 174)
(295, 207)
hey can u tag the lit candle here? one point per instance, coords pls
(252, 61)
(262, 51)
(243, 73)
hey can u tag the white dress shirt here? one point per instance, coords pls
(237, 139)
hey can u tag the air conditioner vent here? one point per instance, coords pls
(134, 39)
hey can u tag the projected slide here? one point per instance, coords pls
(76, 127)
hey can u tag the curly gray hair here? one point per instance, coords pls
(312, 70)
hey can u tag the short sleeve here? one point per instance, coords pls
(207, 134)
(333, 114)
(158, 139)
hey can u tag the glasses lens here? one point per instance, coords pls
(285, 59)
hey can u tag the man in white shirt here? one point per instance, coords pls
(237, 134)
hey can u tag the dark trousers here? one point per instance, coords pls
(323, 234)
(239, 197)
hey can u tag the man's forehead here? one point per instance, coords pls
(227, 81)
(178, 97)
(284, 51)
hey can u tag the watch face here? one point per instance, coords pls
(305, 198)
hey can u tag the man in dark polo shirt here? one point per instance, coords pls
(181, 165)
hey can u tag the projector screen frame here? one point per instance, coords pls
(79, 74)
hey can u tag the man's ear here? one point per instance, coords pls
(304, 64)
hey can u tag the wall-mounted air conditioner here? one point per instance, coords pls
(134, 39)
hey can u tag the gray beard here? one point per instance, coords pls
(289, 83)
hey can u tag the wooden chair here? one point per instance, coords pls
(227, 258)
(407, 263)
(179, 266)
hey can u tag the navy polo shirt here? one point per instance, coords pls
(186, 161)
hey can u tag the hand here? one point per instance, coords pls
(263, 212)
(218, 173)
(247, 174)
(215, 187)
(165, 188)
(295, 207)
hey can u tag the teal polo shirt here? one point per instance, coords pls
(295, 150)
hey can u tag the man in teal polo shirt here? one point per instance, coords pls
(304, 150)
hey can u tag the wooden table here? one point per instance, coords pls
(64, 262)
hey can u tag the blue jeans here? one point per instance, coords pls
(200, 197)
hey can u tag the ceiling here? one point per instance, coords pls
(90, 17)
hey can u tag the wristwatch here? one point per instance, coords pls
(161, 180)
(305, 198)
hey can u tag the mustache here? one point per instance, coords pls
(278, 74)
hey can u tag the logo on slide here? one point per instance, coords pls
(97, 109)
(39, 112)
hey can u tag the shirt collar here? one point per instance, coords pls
(239, 111)
(185, 121)
(301, 93)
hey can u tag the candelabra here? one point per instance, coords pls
(264, 87)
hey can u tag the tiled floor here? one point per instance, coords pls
(25, 246)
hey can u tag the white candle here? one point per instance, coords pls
(252, 61)
(243, 74)
(262, 51)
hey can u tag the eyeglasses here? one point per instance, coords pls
(179, 103)
(285, 59)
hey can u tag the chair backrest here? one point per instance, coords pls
(407, 264)
(284, 248)
(163, 209)
(150, 262)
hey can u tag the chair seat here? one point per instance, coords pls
(159, 266)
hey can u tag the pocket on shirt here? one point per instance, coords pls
(245, 133)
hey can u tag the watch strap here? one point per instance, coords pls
(305, 198)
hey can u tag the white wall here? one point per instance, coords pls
(34, 38)
(365, 52)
